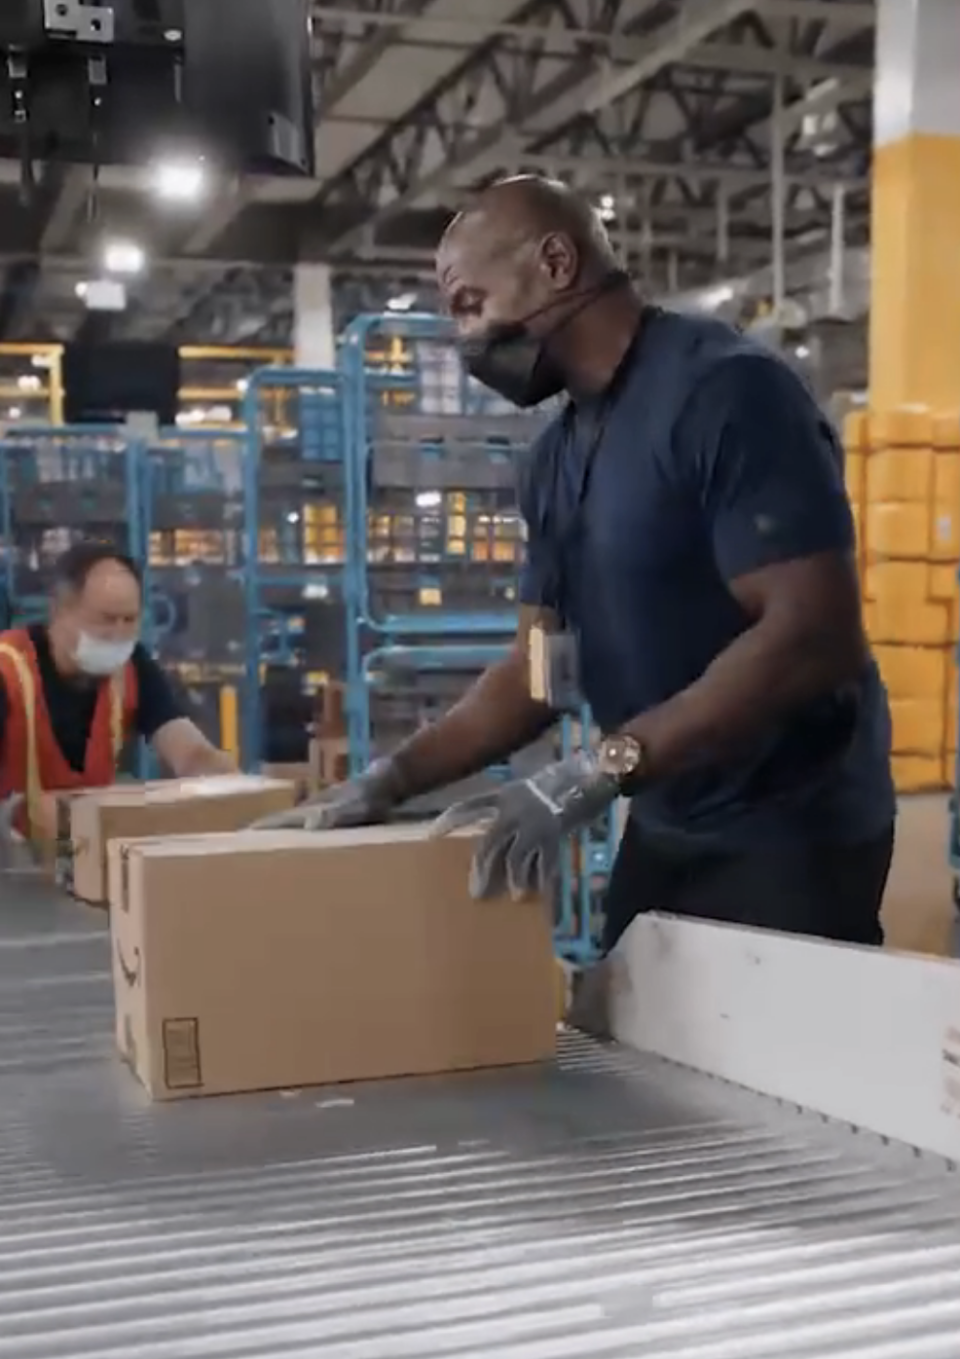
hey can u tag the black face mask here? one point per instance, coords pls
(517, 365)
(512, 363)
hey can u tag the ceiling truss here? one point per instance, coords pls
(660, 108)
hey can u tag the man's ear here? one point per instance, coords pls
(559, 260)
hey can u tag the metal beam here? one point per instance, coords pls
(236, 196)
(618, 53)
(693, 233)
(806, 275)
(50, 215)
(683, 228)
(466, 31)
(827, 96)
(741, 59)
(696, 21)
(607, 168)
(850, 13)
(74, 192)
(447, 138)
(362, 57)
(175, 269)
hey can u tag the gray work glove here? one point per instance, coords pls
(519, 852)
(366, 800)
(16, 853)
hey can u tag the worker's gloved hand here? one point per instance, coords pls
(528, 818)
(366, 800)
(16, 853)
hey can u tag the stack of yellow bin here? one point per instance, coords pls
(903, 477)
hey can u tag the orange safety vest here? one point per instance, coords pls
(31, 761)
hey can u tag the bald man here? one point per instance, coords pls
(690, 556)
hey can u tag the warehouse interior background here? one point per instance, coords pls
(277, 1094)
(733, 148)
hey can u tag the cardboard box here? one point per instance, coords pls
(300, 775)
(273, 960)
(227, 802)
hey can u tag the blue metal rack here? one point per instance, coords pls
(86, 477)
(193, 529)
(412, 430)
(294, 463)
(427, 445)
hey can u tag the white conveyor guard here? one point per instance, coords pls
(867, 1036)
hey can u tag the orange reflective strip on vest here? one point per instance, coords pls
(117, 686)
(34, 789)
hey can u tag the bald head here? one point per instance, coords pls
(524, 210)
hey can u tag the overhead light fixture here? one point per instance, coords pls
(428, 500)
(403, 302)
(802, 351)
(242, 385)
(103, 294)
(179, 181)
(29, 382)
(607, 207)
(124, 257)
(15, 412)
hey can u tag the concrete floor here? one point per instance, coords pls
(919, 914)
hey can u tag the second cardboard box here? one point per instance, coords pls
(171, 807)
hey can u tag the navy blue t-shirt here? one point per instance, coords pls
(714, 461)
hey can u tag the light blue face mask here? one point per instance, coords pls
(98, 658)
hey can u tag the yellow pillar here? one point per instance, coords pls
(915, 230)
(903, 465)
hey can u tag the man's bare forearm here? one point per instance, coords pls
(495, 718)
(807, 642)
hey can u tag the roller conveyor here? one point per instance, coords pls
(615, 1207)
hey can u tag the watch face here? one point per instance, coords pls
(621, 756)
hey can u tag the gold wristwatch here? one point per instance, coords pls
(622, 758)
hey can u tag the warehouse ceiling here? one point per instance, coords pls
(659, 109)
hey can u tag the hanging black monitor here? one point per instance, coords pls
(105, 382)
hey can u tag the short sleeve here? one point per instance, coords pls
(537, 570)
(157, 701)
(767, 464)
